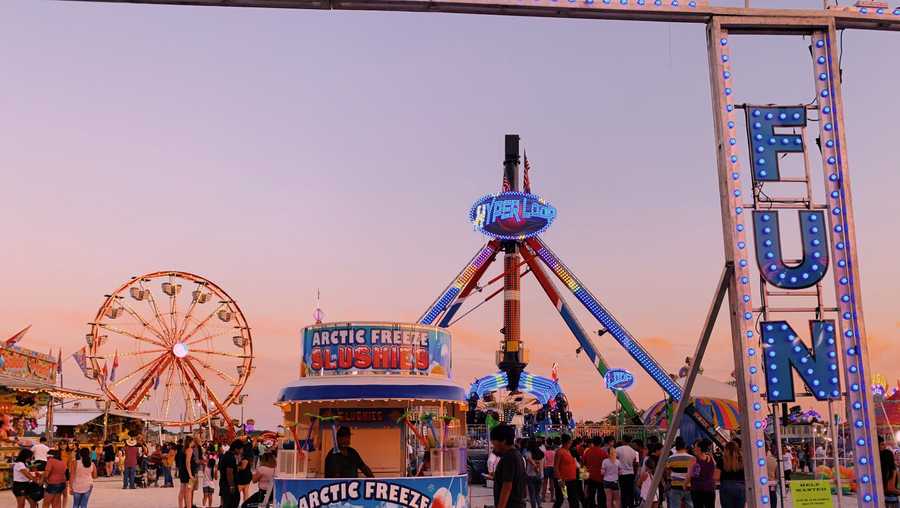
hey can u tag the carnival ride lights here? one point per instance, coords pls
(527, 243)
(151, 351)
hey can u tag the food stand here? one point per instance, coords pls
(27, 385)
(94, 426)
(390, 384)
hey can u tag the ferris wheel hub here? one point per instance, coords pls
(180, 350)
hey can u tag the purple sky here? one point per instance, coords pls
(276, 152)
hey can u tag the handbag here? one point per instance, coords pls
(36, 492)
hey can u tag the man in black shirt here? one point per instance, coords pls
(509, 477)
(346, 462)
(228, 475)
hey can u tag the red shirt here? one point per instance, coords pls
(566, 468)
(131, 456)
(593, 459)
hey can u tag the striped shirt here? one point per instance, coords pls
(678, 465)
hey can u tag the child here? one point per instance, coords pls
(647, 479)
(210, 475)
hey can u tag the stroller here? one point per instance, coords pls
(152, 475)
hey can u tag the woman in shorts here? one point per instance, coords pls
(23, 479)
(610, 470)
(56, 480)
(210, 475)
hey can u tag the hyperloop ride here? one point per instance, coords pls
(513, 220)
(753, 193)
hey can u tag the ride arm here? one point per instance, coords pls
(575, 327)
(480, 260)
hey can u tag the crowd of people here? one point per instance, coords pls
(48, 476)
(604, 472)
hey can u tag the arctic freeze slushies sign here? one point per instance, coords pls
(421, 492)
(376, 347)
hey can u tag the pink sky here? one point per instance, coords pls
(276, 152)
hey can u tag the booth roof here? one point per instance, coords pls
(74, 417)
(371, 387)
(30, 386)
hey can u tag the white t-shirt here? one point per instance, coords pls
(40, 451)
(787, 461)
(611, 470)
(18, 475)
(820, 451)
(627, 457)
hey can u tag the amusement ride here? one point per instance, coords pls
(171, 344)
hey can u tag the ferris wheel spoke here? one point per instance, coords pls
(155, 308)
(136, 371)
(203, 322)
(172, 306)
(220, 353)
(133, 353)
(129, 309)
(189, 315)
(207, 337)
(188, 404)
(167, 392)
(225, 377)
(129, 334)
(219, 406)
(139, 390)
(194, 388)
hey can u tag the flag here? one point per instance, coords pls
(17, 337)
(59, 361)
(79, 359)
(115, 365)
(526, 182)
(156, 383)
(506, 185)
(104, 372)
(554, 372)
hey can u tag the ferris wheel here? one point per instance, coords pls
(171, 344)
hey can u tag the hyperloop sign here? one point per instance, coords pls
(619, 379)
(511, 215)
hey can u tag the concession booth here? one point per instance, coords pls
(385, 388)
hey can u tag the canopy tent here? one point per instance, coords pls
(33, 386)
(314, 388)
(714, 400)
(889, 413)
(543, 389)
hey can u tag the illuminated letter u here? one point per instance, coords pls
(814, 263)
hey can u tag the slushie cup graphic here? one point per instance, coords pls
(288, 501)
(442, 499)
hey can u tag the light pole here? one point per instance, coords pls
(241, 399)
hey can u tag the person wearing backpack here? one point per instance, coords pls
(534, 472)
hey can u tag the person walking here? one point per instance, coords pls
(228, 471)
(611, 469)
(23, 479)
(703, 476)
(629, 460)
(593, 460)
(81, 482)
(209, 480)
(109, 457)
(168, 461)
(646, 479)
(889, 479)
(534, 471)
(264, 477)
(245, 473)
(549, 478)
(509, 477)
(55, 480)
(186, 463)
(130, 463)
(566, 469)
(732, 492)
(787, 464)
(678, 466)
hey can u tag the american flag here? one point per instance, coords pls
(506, 185)
(526, 182)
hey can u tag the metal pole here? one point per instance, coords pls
(712, 314)
(106, 422)
(48, 422)
(836, 461)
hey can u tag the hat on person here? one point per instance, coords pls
(130, 442)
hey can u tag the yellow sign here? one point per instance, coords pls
(811, 493)
(27, 364)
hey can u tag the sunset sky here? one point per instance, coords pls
(276, 152)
